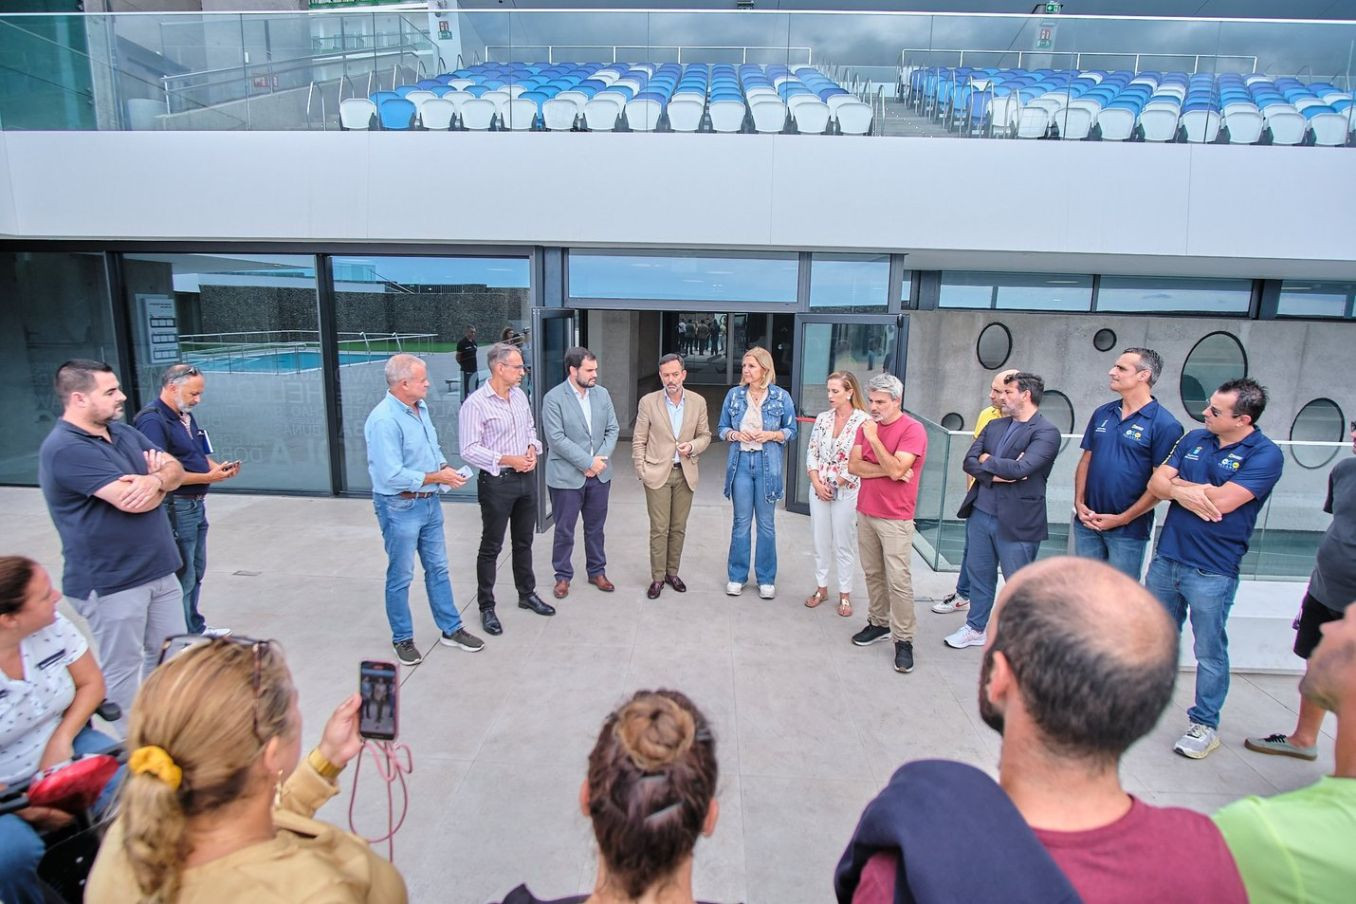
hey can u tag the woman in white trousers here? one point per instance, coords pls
(833, 505)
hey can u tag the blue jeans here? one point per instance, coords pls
(408, 525)
(1208, 598)
(188, 517)
(984, 553)
(21, 848)
(750, 504)
(1123, 553)
(963, 582)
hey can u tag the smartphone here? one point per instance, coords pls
(378, 716)
(465, 471)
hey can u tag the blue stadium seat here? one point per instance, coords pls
(396, 114)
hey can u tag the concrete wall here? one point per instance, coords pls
(1092, 206)
(1296, 361)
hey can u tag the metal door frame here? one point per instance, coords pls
(897, 363)
(539, 364)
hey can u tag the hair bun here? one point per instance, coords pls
(654, 731)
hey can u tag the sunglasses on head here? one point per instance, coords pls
(181, 643)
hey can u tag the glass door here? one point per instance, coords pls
(554, 332)
(866, 345)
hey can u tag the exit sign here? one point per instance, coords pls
(1053, 8)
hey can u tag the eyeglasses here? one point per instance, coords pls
(180, 372)
(178, 644)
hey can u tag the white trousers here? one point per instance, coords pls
(835, 529)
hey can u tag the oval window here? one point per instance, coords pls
(1216, 359)
(994, 346)
(1059, 411)
(953, 421)
(1104, 340)
(1320, 421)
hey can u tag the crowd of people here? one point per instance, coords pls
(1079, 654)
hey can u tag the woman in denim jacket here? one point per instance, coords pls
(757, 420)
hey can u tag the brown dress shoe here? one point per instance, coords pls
(675, 582)
(655, 588)
(562, 589)
(602, 583)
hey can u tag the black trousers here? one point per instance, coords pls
(507, 501)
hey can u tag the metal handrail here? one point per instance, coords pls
(1076, 54)
(679, 48)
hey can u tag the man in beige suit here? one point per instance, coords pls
(671, 434)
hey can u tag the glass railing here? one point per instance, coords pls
(980, 75)
(1283, 543)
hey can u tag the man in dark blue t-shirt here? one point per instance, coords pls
(168, 422)
(1124, 441)
(1218, 479)
(104, 482)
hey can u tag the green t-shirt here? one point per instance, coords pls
(1296, 846)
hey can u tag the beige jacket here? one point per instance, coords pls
(307, 862)
(653, 444)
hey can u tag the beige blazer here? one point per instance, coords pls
(653, 444)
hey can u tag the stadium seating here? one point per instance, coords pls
(641, 97)
(1147, 106)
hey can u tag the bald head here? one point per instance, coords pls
(1093, 654)
(996, 387)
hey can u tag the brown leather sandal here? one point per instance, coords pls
(845, 605)
(819, 596)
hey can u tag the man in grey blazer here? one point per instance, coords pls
(581, 430)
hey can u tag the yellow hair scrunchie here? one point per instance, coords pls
(156, 761)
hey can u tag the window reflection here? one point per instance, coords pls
(1166, 294)
(428, 306)
(850, 282)
(250, 324)
(1316, 299)
(707, 277)
(1016, 291)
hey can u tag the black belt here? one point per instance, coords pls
(503, 473)
(406, 494)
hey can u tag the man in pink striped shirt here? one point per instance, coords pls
(498, 437)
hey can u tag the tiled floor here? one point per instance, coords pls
(809, 726)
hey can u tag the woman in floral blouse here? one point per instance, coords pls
(833, 506)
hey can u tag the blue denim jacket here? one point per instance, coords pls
(778, 414)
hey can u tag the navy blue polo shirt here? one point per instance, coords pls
(1125, 452)
(106, 550)
(161, 425)
(1253, 463)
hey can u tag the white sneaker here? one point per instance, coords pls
(953, 603)
(210, 631)
(734, 588)
(767, 591)
(1198, 741)
(966, 636)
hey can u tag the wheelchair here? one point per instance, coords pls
(70, 853)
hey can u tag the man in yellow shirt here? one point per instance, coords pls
(959, 600)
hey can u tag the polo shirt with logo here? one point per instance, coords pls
(31, 707)
(1218, 547)
(1125, 452)
(106, 550)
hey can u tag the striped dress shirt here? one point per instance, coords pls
(491, 427)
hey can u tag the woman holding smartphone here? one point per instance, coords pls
(219, 802)
(833, 507)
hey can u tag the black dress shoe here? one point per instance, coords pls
(655, 589)
(536, 604)
(675, 582)
(490, 622)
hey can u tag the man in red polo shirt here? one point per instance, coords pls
(887, 455)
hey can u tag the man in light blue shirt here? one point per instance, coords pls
(408, 468)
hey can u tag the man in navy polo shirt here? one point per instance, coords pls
(104, 482)
(1123, 443)
(1217, 479)
(169, 423)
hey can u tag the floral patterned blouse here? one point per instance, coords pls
(828, 454)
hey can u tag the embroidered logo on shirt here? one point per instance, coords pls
(1101, 428)
(1135, 432)
(1194, 454)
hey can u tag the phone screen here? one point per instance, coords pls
(378, 686)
